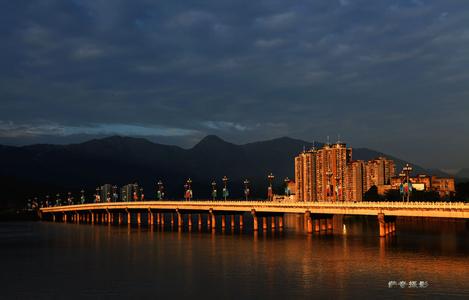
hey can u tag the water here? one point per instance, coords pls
(55, 260)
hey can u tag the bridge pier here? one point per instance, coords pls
(119, 216)
(264, 223)
(129, 218)
(214, 220)
(139, 218)
(223, 221)
(255, 225)
(189, 220)
(179, 219)
(280, 222)
(272, 223)
(309, 222)
(232, 225)
(386, 224)
(199, 220)
(150, 218)
(162, 219)
(241, 221)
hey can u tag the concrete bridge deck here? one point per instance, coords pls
(409, 209)
(317, 215)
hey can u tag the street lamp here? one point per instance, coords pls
(401, 187)
(82, 197)
(115, 197)
(287, 190)
(270, 193)
(214, 190)
(142, 196)
(225, 189)
(160, 192)
(187, 186)
(57, 201)
(246, 189)
(98, 196)
(407, 169)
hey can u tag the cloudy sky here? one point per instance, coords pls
(388, 75)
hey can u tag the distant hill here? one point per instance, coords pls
(33, 169)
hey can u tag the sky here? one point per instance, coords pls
(387, 75)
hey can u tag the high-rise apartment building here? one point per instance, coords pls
(356, 180)
(321, 174)
(379, 172)
(329, 174)
(305, 175)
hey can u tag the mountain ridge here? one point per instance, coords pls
(121, 160)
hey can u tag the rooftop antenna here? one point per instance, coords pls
(338, 138)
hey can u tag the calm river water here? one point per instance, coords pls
(43, 260)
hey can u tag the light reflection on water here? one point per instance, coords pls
(44, 260)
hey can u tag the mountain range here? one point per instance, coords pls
(36, 170)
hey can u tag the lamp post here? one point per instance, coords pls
(270, 193)
(246, 189)
(57, 201)
(287, 190)
(160, 192)
(142, 196)
(188, 194)
(407, 169)
(214, 190)
(115, 197)
(97, 197)
(82, 197)
(225, 188)
(401, 187)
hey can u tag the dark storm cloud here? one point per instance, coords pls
(391, 75)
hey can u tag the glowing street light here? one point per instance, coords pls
(214, 190)
(270, 193)
(160, 192)
(287, 190)
(246, 189)
(225, 188)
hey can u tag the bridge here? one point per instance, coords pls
(318, 215)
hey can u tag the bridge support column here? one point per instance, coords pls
(382, 230)
(317, 225)
(53, 217)
(179, 219)
(119, 216)
(129, 218)
(255, 225)
(139, 218)
(189, 220)
(232, 225)
(214, 220)
(64, 218)
(150, 218)
(109, 218)
(162, 219)
(264, 223)
(272, 223)
(172, 219)
(223, 221)
(209, 217)
(323, 224)
(280, 222)
(309, 222)
(199, 220)
(241, 221)
(329, 224)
